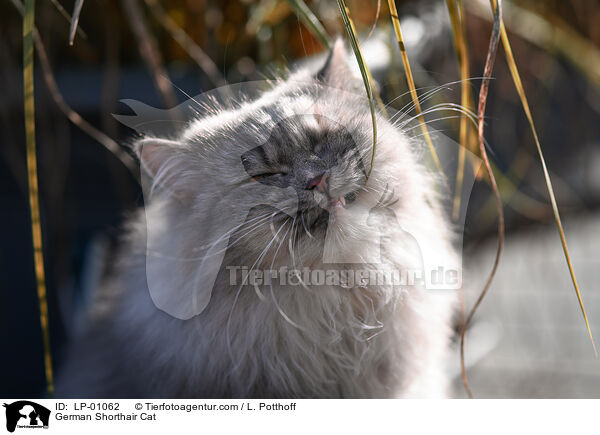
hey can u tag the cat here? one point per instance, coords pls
(310, 134)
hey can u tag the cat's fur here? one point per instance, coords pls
(293, 341)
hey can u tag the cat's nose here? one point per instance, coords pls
(319, 182)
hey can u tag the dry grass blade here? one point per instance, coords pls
(459, 47)
(521, 91)
(483, 92)
(149, 52)
(62, 11)
(32, 179)
(311, 21)
(411, 82)
(76, 118)
(75, 20)
(73, 116)
(187, 43)
(457, 18)
(380, 103)
(364, 71)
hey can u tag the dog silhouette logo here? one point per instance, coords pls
(26, 414)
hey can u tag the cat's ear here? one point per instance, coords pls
(166, 163)
(335, 71)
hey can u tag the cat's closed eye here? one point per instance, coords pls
(266, 175)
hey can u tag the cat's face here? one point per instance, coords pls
(315, 156)
(283, 180)
(291, 163)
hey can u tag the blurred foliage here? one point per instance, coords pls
(247, 27)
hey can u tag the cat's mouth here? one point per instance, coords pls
(337, 203)
(317, 216)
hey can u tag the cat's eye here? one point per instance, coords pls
(265, 175)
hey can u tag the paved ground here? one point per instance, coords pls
(530, 338)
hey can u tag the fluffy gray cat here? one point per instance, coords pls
(274, 340)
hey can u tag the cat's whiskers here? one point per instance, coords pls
(427, 95)
(237, 295)
(429, 89)
(229, 232)
(153, 253)
(255, 226)
(409, 107)
(292, 248)
(198, 274)
(440, 108)
(305, 227)
(281, 312)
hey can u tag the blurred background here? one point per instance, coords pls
(529, 338)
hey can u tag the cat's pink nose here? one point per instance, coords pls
(320, 183)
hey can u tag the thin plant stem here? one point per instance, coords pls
(32, 180)
(411, 82)
(75, 20)
(149, 52)
(187, 43)
(311, 21)
(521, 91)
(483, 93)
(364, 71)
